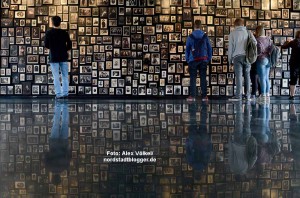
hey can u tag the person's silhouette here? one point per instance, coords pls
(295, 136)
(198, 143)
(58, 157)
(267, 143)
(242, 145)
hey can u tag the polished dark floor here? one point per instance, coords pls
(82, 148)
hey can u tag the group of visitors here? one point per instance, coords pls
(257, 73)
(198, 54)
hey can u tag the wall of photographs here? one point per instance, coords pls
(133, 47)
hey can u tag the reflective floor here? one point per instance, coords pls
(143, 149)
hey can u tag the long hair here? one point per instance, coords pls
(259, 31)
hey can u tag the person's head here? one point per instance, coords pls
(197, 24)
(259, 31)
(297, 34)
(239, 22)
(56, 20)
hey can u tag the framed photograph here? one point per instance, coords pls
(247, 2)
(265, 5)
(236, 4)
(32, 59)
(216, 60)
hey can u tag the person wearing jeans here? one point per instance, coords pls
(198, 62)
(59, 43)
(241, 68)
(193, 68)
(263, 70)
(264, 47)
(237, 55)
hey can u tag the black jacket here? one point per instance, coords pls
(58, 41)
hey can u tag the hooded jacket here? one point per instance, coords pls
(198, 34)
(238, 42)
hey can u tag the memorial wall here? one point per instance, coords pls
(134, 47)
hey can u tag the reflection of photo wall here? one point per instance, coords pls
(133, 47)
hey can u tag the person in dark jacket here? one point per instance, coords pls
(59, 43)
(194, 65)
(294, 62)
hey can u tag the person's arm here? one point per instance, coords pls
(47, 42)
(252, 37)
(187, 49)
(69, 43)
(259, 48)
(209, 49)
(287, 44)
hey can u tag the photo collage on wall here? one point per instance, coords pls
(134, 47)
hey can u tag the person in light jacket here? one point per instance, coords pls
(237, 55)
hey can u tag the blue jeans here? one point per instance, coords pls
(64, 89)
(242, 129)
(242, 68)
(193, 68)
(263, 70)
(263, 123)
(60, 121)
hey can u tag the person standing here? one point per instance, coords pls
(237, 55)
(264, 47)
(198, 53)
(59, 43)
(254, 82)
(294, 62)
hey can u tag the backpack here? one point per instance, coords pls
(199, 50)
(274, 55)
(251, 49)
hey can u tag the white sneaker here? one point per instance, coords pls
(262, 99)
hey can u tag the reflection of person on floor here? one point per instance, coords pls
(268, 144)
(198, 143)
(295, 136)
(242, 146)
(58, 157)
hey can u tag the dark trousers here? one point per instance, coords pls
(254, 80)
(193, 68)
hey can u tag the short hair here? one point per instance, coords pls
(297, 34)
(56, 20)
(259, 31)
(197, 24)
(239, 22)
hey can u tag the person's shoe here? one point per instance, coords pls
(262, 99)
(205, 98)
(292, 98)
(253, 97)
(247, 98)
(191, 99)
(59, 97)
(235, 98)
